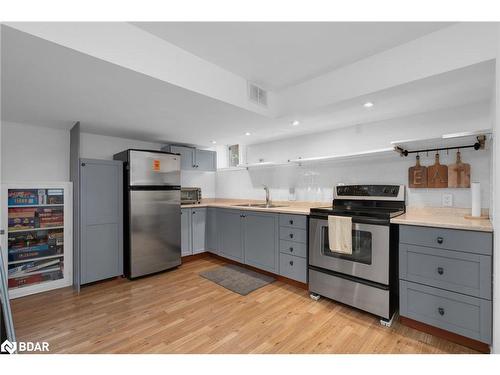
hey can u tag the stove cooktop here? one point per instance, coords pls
(357, 211)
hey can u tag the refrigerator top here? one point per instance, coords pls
(153, 168)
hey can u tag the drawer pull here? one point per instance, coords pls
(440, 240)
(291, 235)
(441, 311)
(291, 262)
(291, 222)
(291, 249)
(440, 270)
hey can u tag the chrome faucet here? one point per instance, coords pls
(268, 200)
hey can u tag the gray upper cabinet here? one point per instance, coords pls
(198, 229)
(101, 221)
(230, 234)
(205, 160)
(261, 242)
(211, 230)
(186, 248)
(187, 156)
(194, 159)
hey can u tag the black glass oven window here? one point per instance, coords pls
(361, 247)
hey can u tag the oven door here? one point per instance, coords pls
(370, 251)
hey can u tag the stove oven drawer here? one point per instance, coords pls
(454, 312)
(352, 293)
(451, 239)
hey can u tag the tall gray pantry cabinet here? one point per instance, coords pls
(97, 215)
(101, 219)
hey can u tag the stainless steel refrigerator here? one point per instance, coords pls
(152, 209)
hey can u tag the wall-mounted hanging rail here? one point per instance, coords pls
(478, 145)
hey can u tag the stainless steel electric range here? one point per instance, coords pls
(367, 278)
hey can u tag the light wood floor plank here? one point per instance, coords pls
(180, 312)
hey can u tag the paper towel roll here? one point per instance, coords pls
(475, 188)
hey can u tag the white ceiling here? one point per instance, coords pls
(279, 54)
(46, 84)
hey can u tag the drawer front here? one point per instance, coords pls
(451, 239)
(451, 270)
(293, 267)
(293, 234)
(351, 293)
(293, 221)
(464, 315)
(293, 248)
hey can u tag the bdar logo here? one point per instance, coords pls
(8, 347)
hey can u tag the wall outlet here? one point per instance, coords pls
(447, 200)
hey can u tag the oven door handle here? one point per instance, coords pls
(369, 220)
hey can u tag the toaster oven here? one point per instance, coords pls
(190, 195)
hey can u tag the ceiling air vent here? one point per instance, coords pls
(257, 94)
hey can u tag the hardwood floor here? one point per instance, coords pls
(181, 312)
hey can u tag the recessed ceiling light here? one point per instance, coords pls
(248, 133)
(368, 105)
(214, 142)
(295, 123)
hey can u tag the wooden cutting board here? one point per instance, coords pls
(437, 175)
(459, 174)
(417, 175)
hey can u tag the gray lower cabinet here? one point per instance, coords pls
(230, 234)
(293, 247)
(261, 242)
(211, 230)
(186, 248)
(259, 239)
(198, 229)
(454, 312)
(446, 279)
(193, 230)
(101, 220)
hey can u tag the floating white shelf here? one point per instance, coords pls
(263, 164)
(347, 156)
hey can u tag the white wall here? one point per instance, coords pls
(95, 146)
(104, 147)
(496, 208)
(315, 182)
(34, 153)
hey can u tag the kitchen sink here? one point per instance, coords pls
(260, 205)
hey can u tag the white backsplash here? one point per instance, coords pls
(203, 180)
(316, 182)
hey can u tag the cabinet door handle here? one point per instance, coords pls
(441, 311)
(291, 262)
(440, 270)
(291, 222)
(291, 235)
(440, 240)
(291, 249)
(193, 212)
